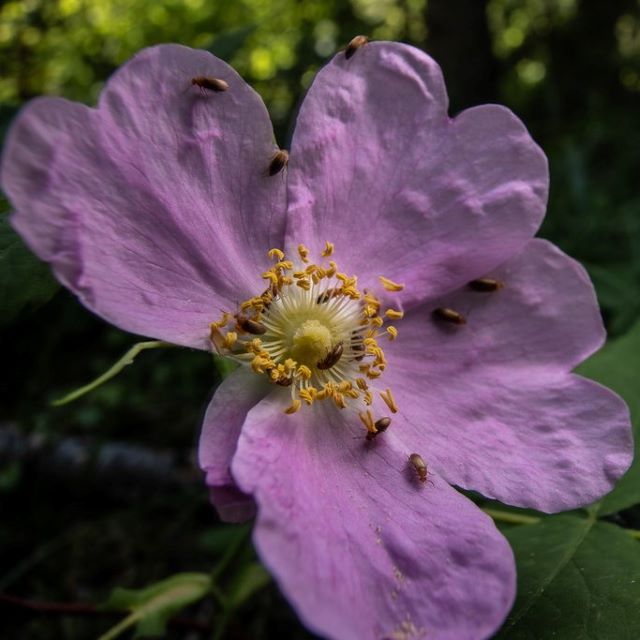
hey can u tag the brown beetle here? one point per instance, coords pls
(381, 426)
(212, 84)
(420, 466)
(332, 357)
(355, 44)
(279, 161)
(485, 285)
(449, 315)
(250, 326)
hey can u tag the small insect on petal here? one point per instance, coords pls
(485, 285)
(355, 44)
(449, 315)
(213, 84)
(332, 357)
(250, 326)
(416, 461)
(279, 161)
(381, 426)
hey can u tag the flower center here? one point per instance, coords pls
(311, 342)
(315, 333)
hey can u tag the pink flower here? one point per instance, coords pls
(157, 209)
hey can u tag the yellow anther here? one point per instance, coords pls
(390, 285)
(367, 420)
(272, 276)
(394, 314)
(308, 394)
(289, 365)
(230, 339)
(373, 374)
(303, 284)
(274, 374)
(328, 249)
(303, 252)
(372, 300)
(277, 254)
(284, 264)
(368, 398)
(255, 346)
(362, 384)
(338, 398)
(259, 364)
(377, 321)
(226, 316)
(393, 333)
(300, 274)
(389, 400)
(295, 405)
(331, 271)
(352, 393)
(304, 372)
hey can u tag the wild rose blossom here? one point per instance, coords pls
(399, 329)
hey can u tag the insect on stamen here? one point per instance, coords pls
(213, 84)
(485, 285)
(420, 466)
(332, 357)
(355, 44)
(449, 315)
(327, 295)
(279, 161)
(250, 326)
(381, 426)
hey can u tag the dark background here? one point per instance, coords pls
(104, 491)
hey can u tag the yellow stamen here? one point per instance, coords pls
(304, 372)
(303, 252)
(295, 405)
(338, 398)
(367, 420)
(277, 254)
(393, 333)
(389, 400)
(390, 285)
(230, 339)
(394, 314)
(328, 249)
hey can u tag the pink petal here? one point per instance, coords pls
(359, 546)
(493, 401)
(379, 169)
(233, 400)
(155, 208)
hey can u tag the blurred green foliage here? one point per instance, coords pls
(569, 68)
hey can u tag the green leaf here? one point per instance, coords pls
(113, 371)
(25, 282)
(152, 607)
(224, 366)
(578, 579)
(616, 366)
(251, 579)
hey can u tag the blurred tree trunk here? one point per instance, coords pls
(458, 38)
